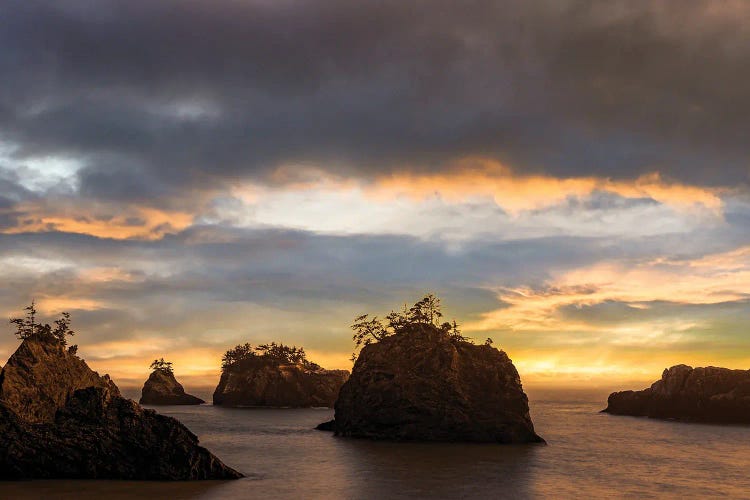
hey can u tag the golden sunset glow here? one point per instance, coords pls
(515, 193)
(574, 324)
(135, 222)
(577, 190)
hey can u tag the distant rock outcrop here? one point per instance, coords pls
(706, 394)
(162, 388)
(421, 384)
(59, 419)
(264, 382)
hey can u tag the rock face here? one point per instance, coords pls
(40, 377)
(421, 385)
(80, 431)
(706, 394)
(262, 382)
(162, 388)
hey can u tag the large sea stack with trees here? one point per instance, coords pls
(417, 378)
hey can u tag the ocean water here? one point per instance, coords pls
(588, 455)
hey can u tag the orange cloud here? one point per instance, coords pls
(708, 280)
(55, 305)
(121, 222)
(105, 275)
(516, 192)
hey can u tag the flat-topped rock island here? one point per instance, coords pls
(709, 394)
(275, 375)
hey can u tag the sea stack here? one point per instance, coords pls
(275, 375)
(423, 384)
(709, 394)
(162, 388)
(61, 420)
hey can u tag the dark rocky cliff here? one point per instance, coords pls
(41, 375)
(162, 388)
(422, 385)
(59, 419)
(694, 394)
(261, 382)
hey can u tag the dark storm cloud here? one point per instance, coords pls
(11, 194)
(155, 95)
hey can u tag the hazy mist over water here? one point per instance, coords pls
(588, 455)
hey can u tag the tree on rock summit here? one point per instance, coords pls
(27, 327)
(162, 366)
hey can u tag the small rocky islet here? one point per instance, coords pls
(275, 375)
(162, 387)
(417, 380)
(709, 395)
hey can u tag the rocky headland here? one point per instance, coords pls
(707, 394)
(162, 388)
(61, 420)
(277, 376)
(422, 383)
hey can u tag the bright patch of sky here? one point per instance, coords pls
(41, 173)
(354, 210)
(22, 265)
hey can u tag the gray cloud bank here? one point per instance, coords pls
(157, 96)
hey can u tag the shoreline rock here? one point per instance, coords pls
(328, 426)
(41, 375)
(162, 388)
(710, 395)
(421, 385)
(77, 426)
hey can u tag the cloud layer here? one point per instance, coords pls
(571, 176)
(150, 96)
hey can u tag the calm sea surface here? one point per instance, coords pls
(588, 455)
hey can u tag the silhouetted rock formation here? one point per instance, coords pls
(162, 388)
(41, 375)
(264, 382)
(329, 426)
(694, 394)
(419, 384)
(59, 419)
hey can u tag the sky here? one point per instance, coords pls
(572, 178)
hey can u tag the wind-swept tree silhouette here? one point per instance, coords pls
(159, 365)
(62, 328)
(368, 330)
(237, 354)
(27, 327)
(425, 312)
(243, 354)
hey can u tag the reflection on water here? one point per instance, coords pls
(588, 455)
